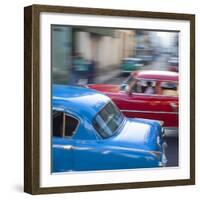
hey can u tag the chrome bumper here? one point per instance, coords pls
(163, 161)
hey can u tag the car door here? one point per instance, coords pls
(169, 102)
(157, 106)
(62, 155)
(137, 103)
(88, 149)
(99, 155)
(90, 155)
(64, 128)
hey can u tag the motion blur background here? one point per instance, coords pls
(104, 54)
(86, 55)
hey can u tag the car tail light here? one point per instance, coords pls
(158, 141)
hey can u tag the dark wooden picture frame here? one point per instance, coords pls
(32, 95)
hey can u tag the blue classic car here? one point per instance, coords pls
(90, 133)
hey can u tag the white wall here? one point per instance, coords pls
(11, 102)
(83, 44)
(104, 48)
(106, 51)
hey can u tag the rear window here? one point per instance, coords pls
(108, 120)
(169, 88)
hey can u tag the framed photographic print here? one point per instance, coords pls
(109, 99)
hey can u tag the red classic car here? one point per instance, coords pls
(146, 94)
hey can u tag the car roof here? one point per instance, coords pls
(156, 75)
(78, 100)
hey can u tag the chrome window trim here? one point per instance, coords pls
(75, 131)
(68, 114)
(153, 95)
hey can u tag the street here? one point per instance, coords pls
(172, 151)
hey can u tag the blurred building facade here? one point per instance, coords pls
(105, 46)
(61, 52)
(103, 49)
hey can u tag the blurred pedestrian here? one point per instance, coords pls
(72, 75)
(80, 69)
(150, 88)
(91, 71)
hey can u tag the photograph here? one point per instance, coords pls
(109, 99)
(114, 98)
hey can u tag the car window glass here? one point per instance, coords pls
(63, 125)
(128, 83)
(71, 124)
(129, 80)
(144, 86)
(108, 120)
(57, 123)
(102, 127)
(169, 88)
(137, 87)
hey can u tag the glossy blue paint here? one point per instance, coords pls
(85, 102)
(133, 145)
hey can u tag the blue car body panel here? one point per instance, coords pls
(85, 102)
(132, 146)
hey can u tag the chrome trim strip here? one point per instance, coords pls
(75, 131)
(70, 147)
(152, 95)
(146, 111)
(58, 109)
(63, 146)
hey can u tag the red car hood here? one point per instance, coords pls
(105, 87)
